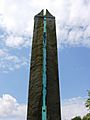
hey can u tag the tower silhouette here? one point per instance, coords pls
(43, 95)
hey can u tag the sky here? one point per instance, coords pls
(73, 41)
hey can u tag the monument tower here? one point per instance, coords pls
(43, 95)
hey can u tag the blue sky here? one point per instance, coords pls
(74, 71)
(73, 38)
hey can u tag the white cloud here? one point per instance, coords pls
(9, 62)
(73, 107)
(17, 41)
(16, 23)
(2, 53)
(10, 109)
(14, 41)
(74, 14)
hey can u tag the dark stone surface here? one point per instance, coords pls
(34, 111)
(35, 85)
(53, 99)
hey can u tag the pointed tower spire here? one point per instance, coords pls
(40, 14)
(48, 14)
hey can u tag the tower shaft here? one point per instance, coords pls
(43, 95)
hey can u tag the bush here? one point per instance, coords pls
(86, 117)
(77, 118)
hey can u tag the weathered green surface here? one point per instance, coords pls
(34, 111)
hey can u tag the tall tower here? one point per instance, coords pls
(44, 96)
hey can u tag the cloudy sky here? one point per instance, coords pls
(73, 36)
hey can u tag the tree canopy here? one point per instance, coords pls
(77, 118)
(86, 117)
(88, 101)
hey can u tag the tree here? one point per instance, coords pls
(86, 117)
(88, 101)
(77, 118)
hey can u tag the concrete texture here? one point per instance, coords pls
(34, 111)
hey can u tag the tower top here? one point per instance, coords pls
(48, 14)
(44, 13)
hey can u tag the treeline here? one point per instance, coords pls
(87, 104)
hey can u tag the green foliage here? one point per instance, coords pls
(77, 118)
(88, 101)
(86, 117)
